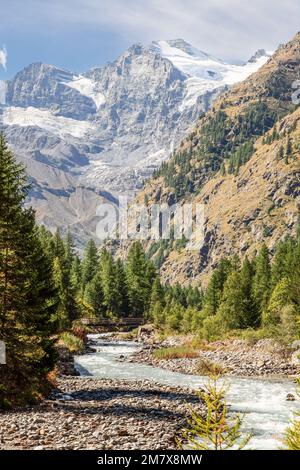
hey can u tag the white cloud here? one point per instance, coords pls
(231, 29)
(3, 57)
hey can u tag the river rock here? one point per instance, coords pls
(236, 357)
(104, 414)
(290, 397)
(296, 357)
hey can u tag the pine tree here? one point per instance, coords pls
(157, 293)
(93, 296)
(215, 287)
(280, 153)
(289, 147)
(76, 275)
(194, 298)
(157, 300)
(231, 307)
(186, 323)
(279, 299)
(62, 264)
(283, 261)
(158, 315)
(27, 293)
(251, 315)
(46, 240)
(274, 134)
(61, 314)
(179, 295)
(218, 429)
(262, 280)
(237, 307)
(90, 264)
(121, 285)
(69, 252)
(174, 315)
(58, 245)
(112, 297)
(294, 286)
(140, 275)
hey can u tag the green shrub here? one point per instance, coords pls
(252, 336)
(212, 329)
(5, 404)
(72, 342)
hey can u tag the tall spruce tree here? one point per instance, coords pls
(112, 297)
(215, 287)
(27, 293)
(120, 279)
(64, 256)
(283, 261)
(75, 275)
(93, 296)
(237, 309)
(90, 264)
(262, 280)
(140, 275)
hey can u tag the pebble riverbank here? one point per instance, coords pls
(91, 413)
(265, 358)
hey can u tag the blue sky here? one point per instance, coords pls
(79, 34)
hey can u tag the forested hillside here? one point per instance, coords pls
(242, 162)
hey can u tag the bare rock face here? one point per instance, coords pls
(45, 86)
(85, 138)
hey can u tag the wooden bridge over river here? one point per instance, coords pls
(126, 324)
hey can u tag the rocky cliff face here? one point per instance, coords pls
(85, 138)
(242, 161)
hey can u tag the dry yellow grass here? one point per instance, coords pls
(206, 367)
(176, 352)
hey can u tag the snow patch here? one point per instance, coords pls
(87, 87)
(115, 177)
(44, 119)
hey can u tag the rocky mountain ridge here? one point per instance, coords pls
(84, 138)
(242, 161)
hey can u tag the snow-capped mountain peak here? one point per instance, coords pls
(106, 130)
(187, 58)
(180, 48)
(204, 72)
(199, 65)
(260, 53)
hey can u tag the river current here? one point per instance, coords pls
(262, 401)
